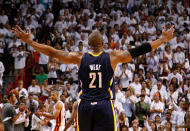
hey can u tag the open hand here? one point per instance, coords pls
(167, 35)
(24, 36)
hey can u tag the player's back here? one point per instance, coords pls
(95, 74)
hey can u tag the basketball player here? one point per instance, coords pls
(96, 69)
(58, 114)
(186, 105)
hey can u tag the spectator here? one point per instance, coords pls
(142, 110)
(49, 18)
(2, 69)
(152, 62)
(20, 59)
(168, 126)
(43, 61)
(41, 76)
(159, 88)
(3, 18)
(135, 126)
(168, 56)
(52, 68)
(123, 120)
(148, 123)
(23, 119)
(156, 107)
(34, 89)
(136, 86)
(21, 90)
(125, 76)
(175, 73)
(124, 128)
(128, 106)
(157, 121)
(179, 56)
(9, 114)
(147, 98)
(45, 90)
(153, 127)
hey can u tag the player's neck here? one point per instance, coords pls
(55, 101)
(96, 51)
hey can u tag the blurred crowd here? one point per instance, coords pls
(150, 90)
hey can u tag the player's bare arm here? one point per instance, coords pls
(63, 56)
(73, 116)
(127, 55)
(58, 108)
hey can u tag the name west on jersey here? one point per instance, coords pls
(95, 67)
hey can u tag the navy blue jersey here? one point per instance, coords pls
(96, 77)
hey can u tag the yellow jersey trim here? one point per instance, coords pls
(111, 81)
(80, 93)
(79, 101)
(115, 127)
(111, 95)
(94, 54)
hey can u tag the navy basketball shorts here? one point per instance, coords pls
(96, 116)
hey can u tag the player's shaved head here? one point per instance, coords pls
(54, 95)
(95, 40)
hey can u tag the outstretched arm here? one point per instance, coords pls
(128, 55)
(63, 56)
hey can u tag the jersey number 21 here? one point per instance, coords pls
(94, 76)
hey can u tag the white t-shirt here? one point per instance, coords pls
(17, 43)
(39, 9)
(3, 19)
(43, 59)
(20, 59)
(22, 118)
(44, 127)
(153, 63)
(44, 92)
(120, 97)
(2, 45)
(162, 91)
(124, 81)
(59, 26)
(52, 72)
(158, 106)
(131, 129)
(179, 57)
(23, 92)
(35, 89)
(178, 76)
(49, 17)
(136, 87)
(2, 69)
